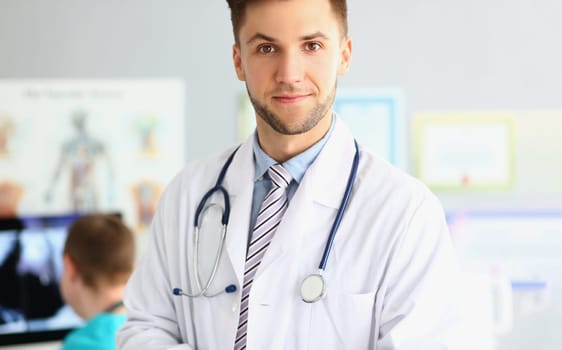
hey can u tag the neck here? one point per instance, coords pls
(282, 147)
(94, 302)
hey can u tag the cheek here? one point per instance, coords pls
(258, 88)
(324, 74)
(258, 76)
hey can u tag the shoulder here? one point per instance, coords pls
(391, 198)
(98, 333)
(399, 211)
(185, 191)
(199, 169)
(203, 172)
(377, 176)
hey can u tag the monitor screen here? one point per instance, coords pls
(31, 307)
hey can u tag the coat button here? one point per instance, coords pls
(235, 307)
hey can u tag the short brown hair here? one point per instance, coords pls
(103, 249)
(238, 12)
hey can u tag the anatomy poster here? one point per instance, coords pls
(89, 145)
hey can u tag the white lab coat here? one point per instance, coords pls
(391, 275)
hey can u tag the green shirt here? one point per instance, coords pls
(97, 334)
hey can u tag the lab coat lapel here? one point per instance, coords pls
(319, 195)
(239, 182)
(327, 177)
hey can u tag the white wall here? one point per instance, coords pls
(450, 55)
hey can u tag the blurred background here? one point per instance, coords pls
(102, 103)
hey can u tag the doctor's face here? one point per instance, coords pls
(290, 54)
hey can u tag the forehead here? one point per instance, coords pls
(289, 18)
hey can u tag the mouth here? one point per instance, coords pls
(290, 98)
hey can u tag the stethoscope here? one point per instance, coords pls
(313, 287)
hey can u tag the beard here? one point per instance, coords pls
(310, 121)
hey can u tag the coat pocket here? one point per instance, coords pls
(342, 321)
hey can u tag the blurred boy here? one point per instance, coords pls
(99, 255)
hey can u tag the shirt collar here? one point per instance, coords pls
(297, 165)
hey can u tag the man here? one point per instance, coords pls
(390, 275)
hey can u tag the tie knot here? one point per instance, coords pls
(279, 176)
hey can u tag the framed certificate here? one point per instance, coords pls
(464, 151)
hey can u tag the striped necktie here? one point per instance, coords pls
(269, 216)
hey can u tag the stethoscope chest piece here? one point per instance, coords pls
(313, 288)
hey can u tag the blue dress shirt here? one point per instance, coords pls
(296, 166)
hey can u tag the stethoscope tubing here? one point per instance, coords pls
(201, 208)
(341, 210)
(217, 188)
(203, 290)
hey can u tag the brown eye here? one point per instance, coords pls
(313, 46)
(266, 49)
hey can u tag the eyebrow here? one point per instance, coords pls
(264, 37)
(259, 36)
(314, 36)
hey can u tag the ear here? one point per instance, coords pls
(70, 268)
(236, 57)
(345, 56)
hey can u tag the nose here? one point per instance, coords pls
(290, 68)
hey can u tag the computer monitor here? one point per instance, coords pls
(31, 307)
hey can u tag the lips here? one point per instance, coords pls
(292, 98)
